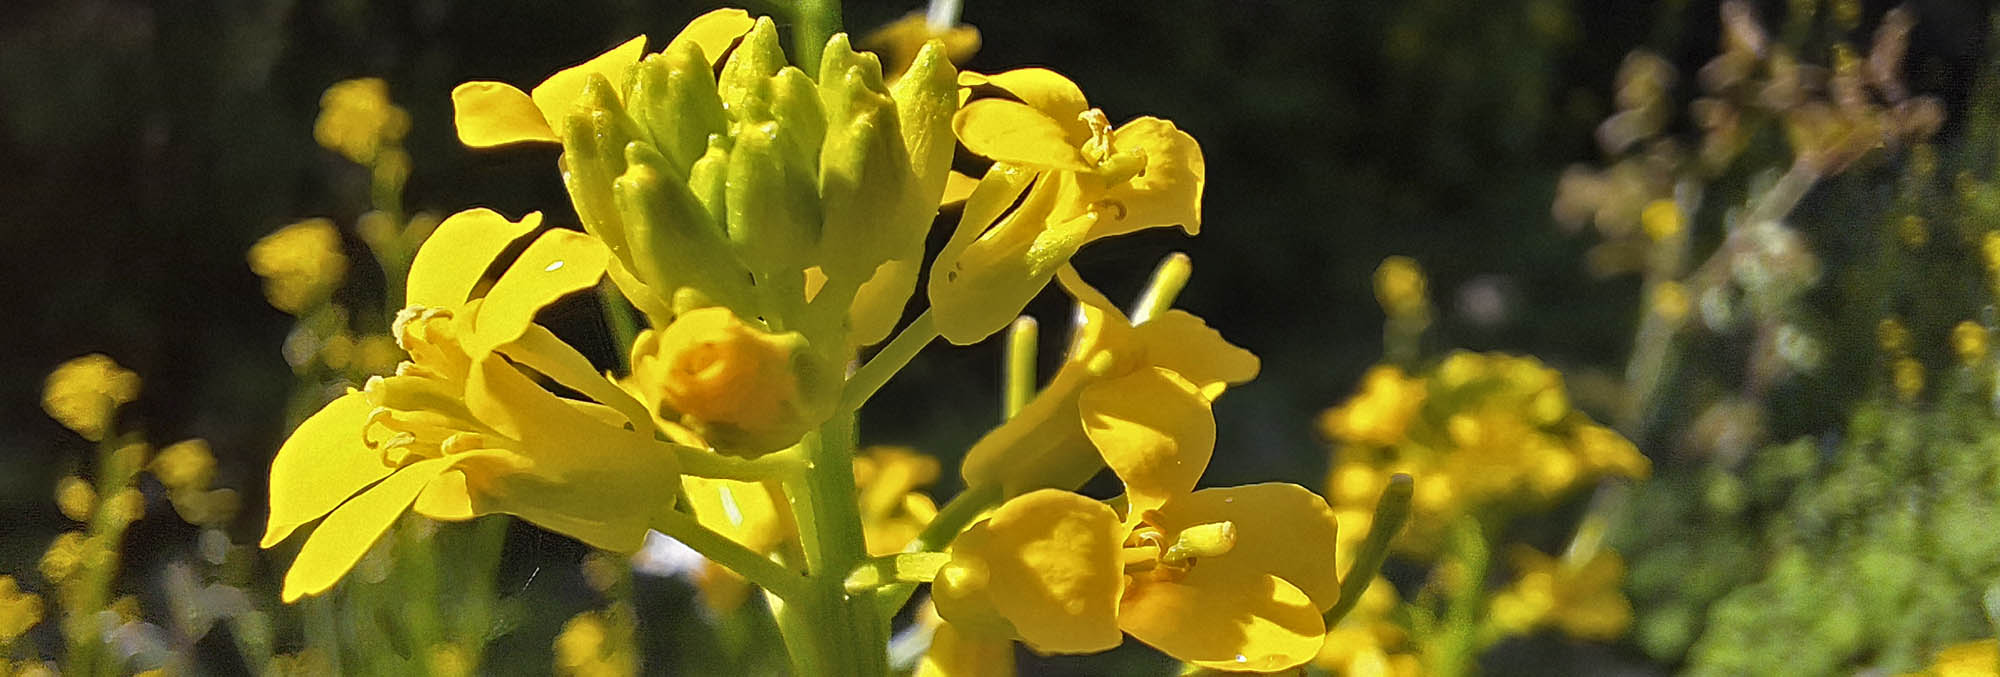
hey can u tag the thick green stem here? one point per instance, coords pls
(829, 630)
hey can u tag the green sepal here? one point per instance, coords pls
(868, 189)
(674, 101)
(795, 105)
(676, 246)
(774, 213)
(926, 99)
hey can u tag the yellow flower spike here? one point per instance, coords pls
(1050, 567)
(84, 393)
(748, 391)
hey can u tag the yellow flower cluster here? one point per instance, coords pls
(1582, 599)
(19, 611)
(1366, 643)
(584, 649)
(1980, 658)
(302, 264)
(1477, 432)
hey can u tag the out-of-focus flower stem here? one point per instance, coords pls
(1453, 651)
(818, 20)
(1390, 512)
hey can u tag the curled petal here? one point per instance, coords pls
(323, 463)
(458, 253)
(489, 114)
(981, 280)
(1259, 624)
(1051, 568)
(1281, 529)
(1184, 343)
(1154, 429)
(1166, 193)
(715, 31)
(346, 535)
(1047, 91)
(540, 350)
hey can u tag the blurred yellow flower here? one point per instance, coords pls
(956, 653)
(1582, 599)
(187, 465)
(301, 264)
(1380, 413)
(66, 555)
(493, 113)
(19, 610)
(1400, 287)
(584, 649)
(893, 512)
(753, 514)
(898, 42)
(357, 119)
(75, 498)
(1125, 393)
(1083, 180)
(1661, 219)
(84, 394)
(460, 430)
(1969, 341)
(1980, 658)
(1366, 643)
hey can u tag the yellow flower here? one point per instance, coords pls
(1388, 400)
(1366, 643)
(1124, 394)
(1233, 578)
(898, 42)
(1083, 181)
(1400, 287)
(185, 466)
(585, 648)
(1581, 599)
(19, 610)
(753, 514)
(493, 114)
(357, 119)
(66, 556)
(747, 391)
(75, 498)
(301, 264)
(1980, 658)
(84, 393)
(460, 430)
(893, 512)
(956, 653)
(1969, 341)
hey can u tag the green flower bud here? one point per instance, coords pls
(744, 85)
(595, 133)
(676, 245)
(774, 213)
(926, 98)
(674, 101)
(869, 191)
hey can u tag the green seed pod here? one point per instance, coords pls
(675, 104)
(676, 245)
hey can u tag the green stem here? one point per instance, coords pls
(758, 569)
(1022, 341)
(818, 20)
(893, 357)
(782, 465)
(828, 630)
(1454, 650)
(955, 516)
(1390, 513)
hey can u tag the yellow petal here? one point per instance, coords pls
(879, 303)
(956, 653)
(1184, 343)
(1042, 447)
(980, 282)
(1167, 193)
(321, 464)
(1053, 570)
(957, 187)
(1261, 624)
(1154, 429)
(1008, 131)
(489, 114)
(458, 253)
(346, 535)
(1100, 324)
(751, 513)
(1049, 92)
(556, 94)
(540, 350)
(1281, 529)
(559, 263)
(446, 499)
(577, 475)
(713, 32)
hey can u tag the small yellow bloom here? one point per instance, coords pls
(1980, 658)
(357, 119)
(66, 556)
(185, 466)
(585, 648)
(1581, 599)
(753, 514)
(746, 390)
(1400, 287)
(1388, 400)
(19, 610)
(75, 498)
(1908, 376)
(493, 114)
(1083, 180)
(301, 264)
(1969, 341)
(1661, 219)
(1124, 395)
(460, 430)
(1892, 336)
(893, 512)
(83, 394)
(1366, 643)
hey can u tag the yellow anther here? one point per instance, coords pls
(1202, 540)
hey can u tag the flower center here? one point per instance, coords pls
(1152, 554)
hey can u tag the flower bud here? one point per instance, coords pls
(676, 244)
(674, 102)
(774, 212)
(745, 93)
(747, 391)
(595, 134)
